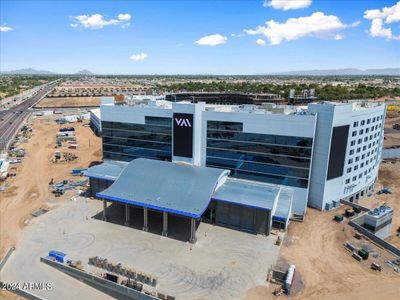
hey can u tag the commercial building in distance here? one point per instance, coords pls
(231, 98)
(247, 167)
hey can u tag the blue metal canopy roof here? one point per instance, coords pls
(174, 188)
(246, 193)
(284, 207)
(108, 170)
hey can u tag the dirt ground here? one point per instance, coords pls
(69, 102)
(29, 189)
(327, 270)
(392, 136)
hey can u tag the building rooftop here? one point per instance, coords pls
(96, 112)
(380, 211)
(108, 170)
(186, 189)
(246, 193)
(356, 104)
(265, 108)
(174, 188)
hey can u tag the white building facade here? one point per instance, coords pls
(324, 153)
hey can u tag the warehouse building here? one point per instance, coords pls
(261, 166)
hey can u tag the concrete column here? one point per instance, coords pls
(104, 218)
(165, 224)
(145, 224)
(268, 223)
(193, 238)
(127, 215)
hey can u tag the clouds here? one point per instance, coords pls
(5, 28)
(139, 56)
(260, 42)
(381, 17)
(212, 40)
(287, 4)
(97, 21)
(317, 25)
(124, 17)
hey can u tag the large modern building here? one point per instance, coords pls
(244, 166)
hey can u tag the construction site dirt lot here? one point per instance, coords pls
(29, 189)
(326, 268)
(60, 102)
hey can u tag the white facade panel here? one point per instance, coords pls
(131, 114)
(362, 152)
(264, 123)
(318, 123)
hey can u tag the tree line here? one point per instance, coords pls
(323, 92)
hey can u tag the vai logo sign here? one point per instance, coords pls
(182, 122)
(183, 135)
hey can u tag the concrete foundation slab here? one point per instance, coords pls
(223, 264)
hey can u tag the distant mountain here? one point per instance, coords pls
(84, 72)
(343, 72)
(28, 71)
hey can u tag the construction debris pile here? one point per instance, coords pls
(63, 156)
(16, 152)
(24, 134)
(60, 188)
(77, 264)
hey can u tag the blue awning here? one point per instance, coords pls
(175, 188)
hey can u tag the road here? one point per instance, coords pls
(11, 119)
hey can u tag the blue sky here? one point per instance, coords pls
(159, 37)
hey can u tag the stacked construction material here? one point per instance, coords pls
(103, 263)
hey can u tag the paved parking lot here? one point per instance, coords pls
(223, 264)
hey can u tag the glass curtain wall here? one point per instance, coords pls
(127, 141)
(268, 158)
